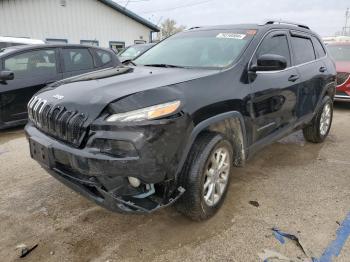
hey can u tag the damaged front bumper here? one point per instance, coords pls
(104, 178)
(111, 200)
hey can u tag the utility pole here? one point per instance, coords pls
(346, 28)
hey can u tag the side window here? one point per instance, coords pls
(139, 42)
(117, 46)
(320, 52)
(76, 59)
(103, 57)
(303, 50)
(275, 45)
(56, 41)
(41, 62)
(89, 42)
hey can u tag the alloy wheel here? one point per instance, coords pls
(325, 120)
(217, 173)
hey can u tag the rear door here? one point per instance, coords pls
(312, 72)
(33, 70)
(274, 93)
(77, 61)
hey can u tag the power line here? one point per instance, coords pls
(177, 7)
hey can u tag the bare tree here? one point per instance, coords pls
(169, 27)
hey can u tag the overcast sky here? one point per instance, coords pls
(324, 16)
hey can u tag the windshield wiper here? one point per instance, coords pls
(165, 65)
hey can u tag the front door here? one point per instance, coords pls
(32, 70)
(274, 93)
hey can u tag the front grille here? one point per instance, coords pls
(57, 121)
(342, 77)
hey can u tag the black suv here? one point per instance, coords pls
(26, 69)
(170, 127)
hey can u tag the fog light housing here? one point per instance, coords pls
(134, 182)
(117, 148)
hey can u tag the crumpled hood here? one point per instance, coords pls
(91, 93)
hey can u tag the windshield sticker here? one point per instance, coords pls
(231, 36)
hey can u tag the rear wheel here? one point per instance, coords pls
(318, 129)
(206, 176)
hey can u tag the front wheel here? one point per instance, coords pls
(318, 129)
(206, 176)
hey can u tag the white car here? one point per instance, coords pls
(12, 41)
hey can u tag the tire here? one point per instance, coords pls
(316, 131)
(197, 203)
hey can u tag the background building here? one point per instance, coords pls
(95, 22)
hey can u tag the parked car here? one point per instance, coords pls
(171, 128)
(134, 51)
(341, 53)
(334, 39)
(14, 41)
(24, 70)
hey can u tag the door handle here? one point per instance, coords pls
(323, 69)
(293, 78)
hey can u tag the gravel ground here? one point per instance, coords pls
(301, 188)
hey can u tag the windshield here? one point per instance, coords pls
(339, 52)
(134, 51)
(199, 49)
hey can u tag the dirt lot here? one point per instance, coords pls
(301, 188)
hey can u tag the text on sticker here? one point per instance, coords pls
(231, 35)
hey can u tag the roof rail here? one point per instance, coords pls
(271, 22)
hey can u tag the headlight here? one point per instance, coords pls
(147, 113)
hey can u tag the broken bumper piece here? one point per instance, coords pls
(110, 199)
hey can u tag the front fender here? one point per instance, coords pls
(230, 124)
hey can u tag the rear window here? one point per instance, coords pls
(303, 50)
(339, 52)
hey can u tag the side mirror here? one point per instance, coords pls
(6, 75)
(270, 62)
